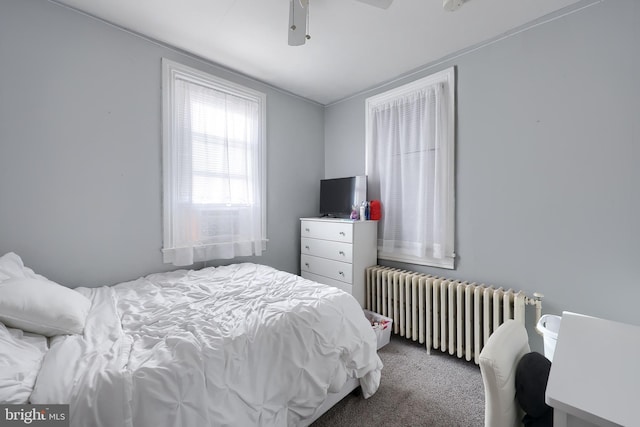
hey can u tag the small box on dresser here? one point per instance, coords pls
(336, 252)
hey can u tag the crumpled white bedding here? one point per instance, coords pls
(240, 345)
(21, 355)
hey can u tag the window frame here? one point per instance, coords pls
(447, 77)
(172, 70)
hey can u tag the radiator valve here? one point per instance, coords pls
(537, 301)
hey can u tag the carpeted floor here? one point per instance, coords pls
(416, 389)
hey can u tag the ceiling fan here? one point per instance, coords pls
(299, 16)
(299, 19)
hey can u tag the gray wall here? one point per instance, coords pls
(548, 148)
(80, 149)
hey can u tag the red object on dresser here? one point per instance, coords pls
(375, 210)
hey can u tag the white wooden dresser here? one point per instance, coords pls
(336, 252)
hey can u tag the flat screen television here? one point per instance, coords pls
(338, 195)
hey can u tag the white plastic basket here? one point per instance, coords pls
(548, 326)
(381, 326)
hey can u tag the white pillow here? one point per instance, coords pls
(43, 307)
(20, 361)
(11, 265)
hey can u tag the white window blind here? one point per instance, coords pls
(410, 169)
(214, 167)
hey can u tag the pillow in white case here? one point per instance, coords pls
(43, 307)
(11, 266)
(20, 361)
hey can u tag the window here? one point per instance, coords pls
(213, 167)
(410, 169)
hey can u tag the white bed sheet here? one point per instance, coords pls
(237, 345)
(21, 355)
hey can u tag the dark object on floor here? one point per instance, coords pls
(532, 374)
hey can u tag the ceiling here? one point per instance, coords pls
(353, 46)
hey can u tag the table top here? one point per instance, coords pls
(595, 374)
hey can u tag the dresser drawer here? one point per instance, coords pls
(327, 249)
(321, 279)
(328, 230)
(326, 267)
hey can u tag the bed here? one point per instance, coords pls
(238, 345)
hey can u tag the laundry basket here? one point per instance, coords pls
(548, 326)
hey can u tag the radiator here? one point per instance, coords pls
(449, 315)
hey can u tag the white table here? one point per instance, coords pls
(595, 375)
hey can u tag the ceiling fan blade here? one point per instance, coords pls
(451, 5)
(298, 13)
(382, 4)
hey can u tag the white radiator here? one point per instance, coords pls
(444, 314)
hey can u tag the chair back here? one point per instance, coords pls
(498, 361)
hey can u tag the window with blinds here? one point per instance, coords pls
(214, 167)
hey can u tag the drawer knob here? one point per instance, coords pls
(341, 253)
(342, 233)
(341, 273)
(306, 229)
(306, 247)
(306, 264)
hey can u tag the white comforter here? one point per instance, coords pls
(242, 345)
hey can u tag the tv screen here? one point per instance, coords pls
(338, 195)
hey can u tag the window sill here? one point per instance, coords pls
(448, 262)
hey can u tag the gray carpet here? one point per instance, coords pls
(416, 389)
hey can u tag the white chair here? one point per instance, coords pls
(498, 361)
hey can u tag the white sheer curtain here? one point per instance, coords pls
(214, 207)
(410, 169)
